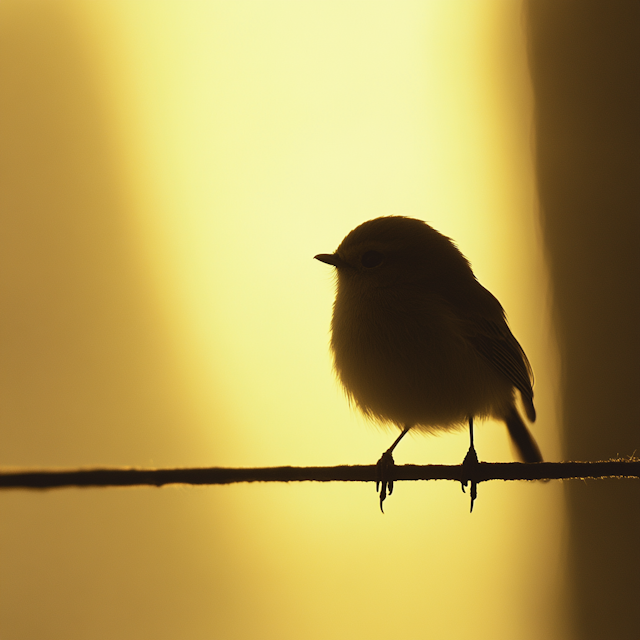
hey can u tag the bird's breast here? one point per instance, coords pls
(405, 359)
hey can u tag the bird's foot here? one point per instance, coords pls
(384, 484)
(468, 470)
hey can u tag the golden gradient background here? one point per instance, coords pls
(169, 170)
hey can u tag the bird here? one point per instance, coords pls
(418, 343)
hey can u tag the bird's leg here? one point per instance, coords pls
(468, 464)
(383, 467)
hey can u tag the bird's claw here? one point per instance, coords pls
(468, 468)
(384, 484)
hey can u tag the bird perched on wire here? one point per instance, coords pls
(419, 343)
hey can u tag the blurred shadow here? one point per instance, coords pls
(584, 59)
(84, 377)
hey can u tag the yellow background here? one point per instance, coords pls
(170, 170)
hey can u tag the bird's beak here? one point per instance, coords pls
(331, 258)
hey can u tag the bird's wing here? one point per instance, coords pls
(497, 344)
(486, 330)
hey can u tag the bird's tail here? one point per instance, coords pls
(528, 450)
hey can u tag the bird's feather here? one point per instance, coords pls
(495, 342)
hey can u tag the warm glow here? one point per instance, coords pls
(242, 138)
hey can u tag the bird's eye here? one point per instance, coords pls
(371, 259)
